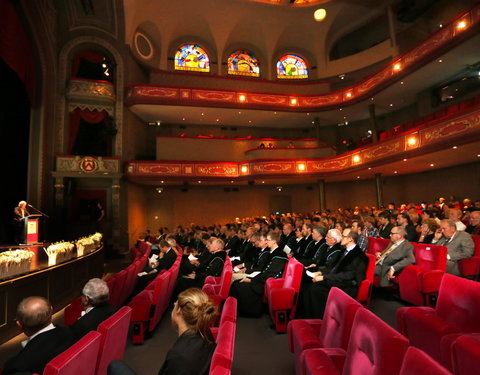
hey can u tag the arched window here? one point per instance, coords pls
(243, 63)
(292, 67)
(192, 57)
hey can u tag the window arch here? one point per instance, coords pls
(292, 66)
(192, 57)
(243, 63)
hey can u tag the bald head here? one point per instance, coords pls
(33, 314)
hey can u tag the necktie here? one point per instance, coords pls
(385, 253)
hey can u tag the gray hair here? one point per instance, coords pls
(97, 291)
(335, 233)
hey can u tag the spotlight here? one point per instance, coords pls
(320, 14)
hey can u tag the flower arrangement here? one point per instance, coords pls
(88, 244)
(59, 252)
(15, 262)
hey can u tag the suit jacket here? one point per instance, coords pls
(459, 247)
(289, 240)
(39, 351)
(273, 269)
(233, 244)
(311, 249)
(302, 245)
(190, 355)
(398, 258)
(91, 320)
(384, 232)
(167, 261)
(324, 252)
(348, 271)
(214, 267)
(261, 262)
(17, 214)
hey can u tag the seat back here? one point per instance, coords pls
(374, 348)
(229, 311)
(72, 312)
(292, 277)
(226, 278)
(459, 303)
(365, 288)
(476, 241)
(80, 358)
(417, 362)
(114, 332)
(160, 298)
(430, 257)
(223, 355)
(466, 355)
(338, 319)
(116, 295)
(377, 245)
(130, 281)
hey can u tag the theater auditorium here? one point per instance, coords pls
(240, 186)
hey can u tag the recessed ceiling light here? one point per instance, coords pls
(358, 176)
(404, 159)
(263, 182)
(432, 165)
(313, 122)
(440, 60)
(454, 147)
(401, 83)
(391, 104)
(249, 121)
(183, 118)
(308, 114)
(199, 181)
(369, 168)
(202, 113)
(371, 98)
(395, 172)
(341, 109)
(231, 182)
(274, 113)
(239, 113)
(218, 120)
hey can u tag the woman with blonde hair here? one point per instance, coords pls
(192, 316)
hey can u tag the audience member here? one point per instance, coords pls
(404, 221)
(428, 229)
(362, 241)
(346, 274)
(459, 244)
(474, 227)
(385, 225)
(370, 230)
(326, 255)
(455, 215)
(397, 255)
(95, 296)
(192, 316)
(44, 340)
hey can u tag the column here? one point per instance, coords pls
(379, 189)
(321, 195)
(373, 121)
(116, 227)
(59, 193)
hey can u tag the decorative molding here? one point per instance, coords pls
(87, 165)
(443, 39)
(82, 90)
(464, 129)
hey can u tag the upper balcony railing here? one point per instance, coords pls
(445, 38)
(87, 90)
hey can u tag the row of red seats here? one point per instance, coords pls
(419, 283)
(282, 294)
(352, 340)
(435, 330)
(218, 288)
(224, 335)
(452, 110)
(150, 305)
(92, 354)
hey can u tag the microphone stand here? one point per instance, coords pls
(40, 212)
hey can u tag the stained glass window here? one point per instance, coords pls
(243, 63)
(192, 57)
(292, 66)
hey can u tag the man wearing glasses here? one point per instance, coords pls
(397, 255)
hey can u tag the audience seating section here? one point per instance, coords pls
(219, 287)
(374, 348)
(333, 331)
(470, 267)
(282, 294)
(114, 331)
(419, 283)
(466, 355)
(80, 358)
(417, 362)
(433, 330)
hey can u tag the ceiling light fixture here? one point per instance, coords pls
(461, 25)
(397, 67)
(320, 14)
(242, 98)
(301, 167)
(412, 141)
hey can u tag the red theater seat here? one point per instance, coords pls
(466, 355)
(470, 267)
(282, 295)
(434, 329)
(80, 358)
(113, 332)
(365, 289)
(223, 354)
(229, 314)
(374, 348)
(333, 331)
(72, 312)
(419, 283)
(116, 294)
(417, 362)
(377, 245)
(219, 287)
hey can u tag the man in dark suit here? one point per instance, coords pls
(242, 270)
(385, 225)
(288, 237)
(44, 342)
(459, 244)
(19, 214)
(396, 256)
(249, 291)
(95, 296)
(232, 244)
(346, 274)
(312, 249)
(326, 255)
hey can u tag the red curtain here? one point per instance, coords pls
(92, 57)
(93, 117)
(15, 49)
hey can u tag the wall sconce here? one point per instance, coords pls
(397, 67)
(301, 167)
(293, 101)
(242, 98)
(159, 190)
(356, 159)
(412, 141)
(461, 25)
(279, 188)
(244, 169)
(348, 95)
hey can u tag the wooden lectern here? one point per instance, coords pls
(32, 228)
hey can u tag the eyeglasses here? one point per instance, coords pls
(394, 233)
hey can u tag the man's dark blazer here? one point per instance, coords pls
(233, 244)
(91, 320)
(349, 271)
(39, 351)
(167, 261)
(384, 232)
(289, 240)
